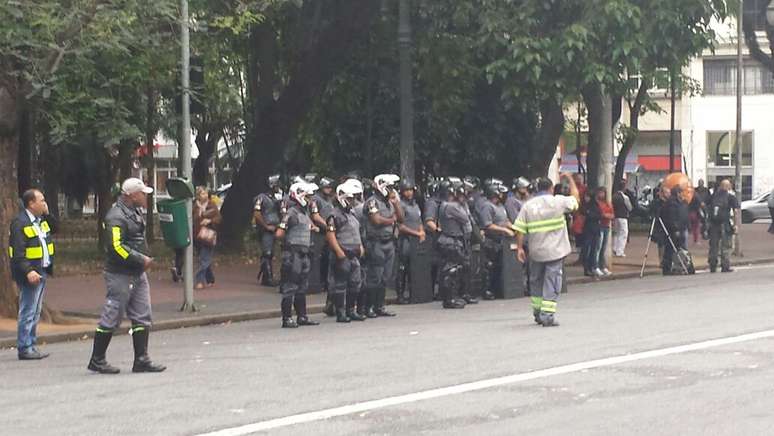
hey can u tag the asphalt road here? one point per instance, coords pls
(630, 357)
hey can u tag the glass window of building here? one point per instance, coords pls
(720, 149)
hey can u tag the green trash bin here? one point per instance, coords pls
(173, 216)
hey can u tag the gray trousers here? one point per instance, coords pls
(127, 295)
(380, 264)
(545, 286)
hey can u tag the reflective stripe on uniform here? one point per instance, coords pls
(137, 328)
(119, 249)
(537, 303)
(44, 226)
(548, 306)
(548, 225)
(51, 249)
(101, 330)
(30, 232)
(520, 226)
(34, 253)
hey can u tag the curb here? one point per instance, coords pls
(205, 320)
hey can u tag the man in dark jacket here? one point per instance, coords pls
(32, 260)
(128, 292)
(674, 215)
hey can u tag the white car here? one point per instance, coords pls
(756, 209)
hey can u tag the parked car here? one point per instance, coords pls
(756, 209)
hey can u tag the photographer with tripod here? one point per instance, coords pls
(675, 218)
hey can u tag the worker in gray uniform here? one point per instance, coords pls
(411, 233)
(128, 293)
(343, 237)
(494, 221)
(542, 221)
(384, 214)
(296, 231)
(453, 220)
(722, 225)
(266, 215)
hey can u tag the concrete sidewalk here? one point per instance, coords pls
(237, 297)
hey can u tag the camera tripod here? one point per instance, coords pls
(671, 242)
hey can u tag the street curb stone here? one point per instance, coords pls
(204, 320)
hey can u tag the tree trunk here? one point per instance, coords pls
(634, 126)
(9, 205)
(407, 172)
(206, 141)
(592, 97)
(26, 136)
(551, 128)
(277, 123)
(104, 182)
(150, 158)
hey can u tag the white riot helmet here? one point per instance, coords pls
(386, 182)
(346, 193)
(311, 188)
(356, 183)
(299, 191)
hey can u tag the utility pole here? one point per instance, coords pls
(406, 94)
(672, 89)
(185, 153)
(738, 139)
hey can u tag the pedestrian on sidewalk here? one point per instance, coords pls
(32, 261)
(605, 221)
(542, 221)
(128, 292)
(296, 231)
(206, 218)
(622, 208)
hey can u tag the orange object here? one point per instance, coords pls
(681, 180)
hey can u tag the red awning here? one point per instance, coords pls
(659, 163)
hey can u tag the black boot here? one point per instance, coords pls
(469, 299)
(400, 285)
(330, 308)
(351, 314)
(266, 276)
(341, 313)
(379, 309)
(287, 313)
(371, 302)
(142, 362)
(300, 304)
(362, 303)
(97, 363)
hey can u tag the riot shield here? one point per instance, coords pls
(512, 283)
(420, 271)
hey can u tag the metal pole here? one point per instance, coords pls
(406, 94)
(185, 153)
(672, 120)
(738, 139)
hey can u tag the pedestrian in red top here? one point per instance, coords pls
(606, 218)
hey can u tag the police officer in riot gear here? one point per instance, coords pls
(494, 221)
(520, 196)
(454, 222)
(722, 225)
(267, 212)
(323, 202)
(411, 232)
(384, 214)
(439, 191)
(343, 237)
(296, 231)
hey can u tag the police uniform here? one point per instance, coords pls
(473, 243)
(30, 248)
(722, 226)
(412, 218)
(453, 247)
(492, 213)
(128, 291)
(325, 208)
(296, 264)
(512, 207)
(380, 254)
(432, 204)
(271, 210)
(542, 221)
(344, 275)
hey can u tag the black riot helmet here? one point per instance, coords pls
(406, 186)
(471, 182)
(457, 187)
(495, 190)
(444, 189)
(273, 181)
(326, 182)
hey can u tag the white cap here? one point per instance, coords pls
(133, 185)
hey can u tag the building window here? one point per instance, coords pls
(746, 185)
(720, 77)
(720, 149)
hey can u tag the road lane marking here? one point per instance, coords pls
(356, 408)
